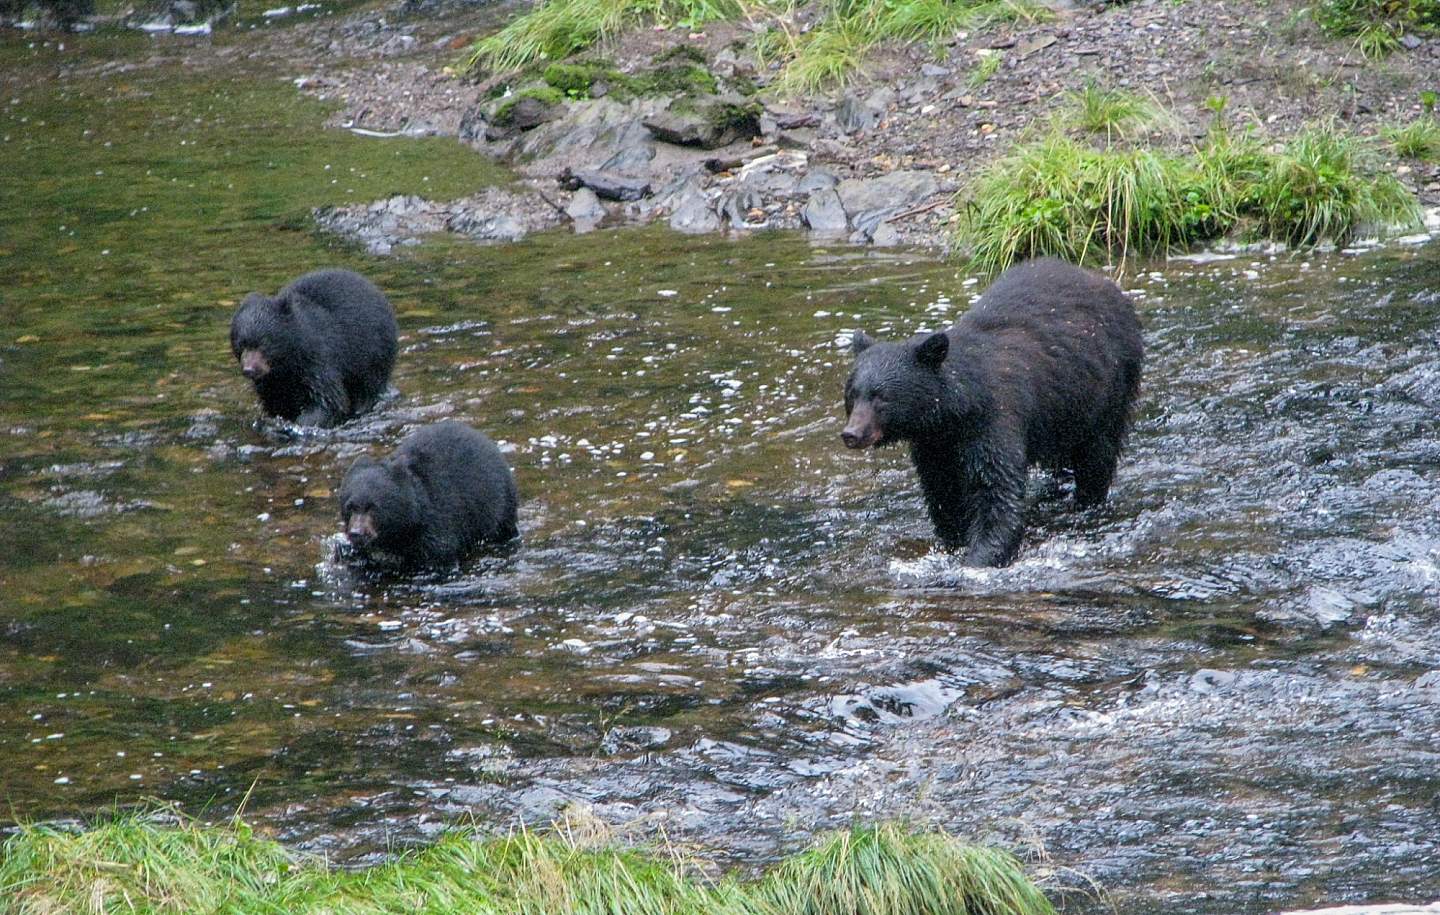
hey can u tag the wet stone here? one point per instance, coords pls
(887, 193)
(609, 185)
(823, 213)
(634, 739)
(693, 213)
(708, 123)
(585, 210)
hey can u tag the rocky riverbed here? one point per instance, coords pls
(667, 124)
(878, 162)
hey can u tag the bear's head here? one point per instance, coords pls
(379, 507)
(263, 338)
(895, 391)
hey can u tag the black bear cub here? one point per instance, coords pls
(445, 489)
(321, 351)
(1043, 370)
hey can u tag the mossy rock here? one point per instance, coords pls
(530, 107)
(576, 79)
(708, 122)
(680, 53)
(676, 79)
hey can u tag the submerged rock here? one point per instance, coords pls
(633, 739)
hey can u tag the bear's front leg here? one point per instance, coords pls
(999, 520)
(949, 492)
(330, 405)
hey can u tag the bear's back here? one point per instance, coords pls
(1043, 293)
(338, 290)
(462, 468)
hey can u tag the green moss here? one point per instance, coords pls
(144, 864)
(548, 95)
(744, 116)
(573, 80)
(675, 79)
(681, 53)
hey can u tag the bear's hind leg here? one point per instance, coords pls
(1095, 463)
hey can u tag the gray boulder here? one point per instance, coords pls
(824, 213)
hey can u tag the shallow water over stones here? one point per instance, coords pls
(1218, 693)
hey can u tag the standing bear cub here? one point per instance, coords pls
(1043, 370)
(445, 489)
(321, 351)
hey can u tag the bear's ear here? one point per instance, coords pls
(931, 351)
(282, 304)
(860, 342)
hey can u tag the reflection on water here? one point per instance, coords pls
(719, 621)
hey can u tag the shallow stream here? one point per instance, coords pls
(1219, 693)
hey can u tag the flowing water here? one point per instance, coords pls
(1218, 693)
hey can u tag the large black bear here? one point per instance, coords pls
(321, 351)
(1043, 370)
(445, 489)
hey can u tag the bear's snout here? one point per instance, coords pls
(361, 529)
(253, 364)
(862, 431)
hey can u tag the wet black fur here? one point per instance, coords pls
(1043, 370)
(330, 339)
(445, 489)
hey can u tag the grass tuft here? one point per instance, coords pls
(555, 29)
(1063, 197)
(1376, 26)
(889, 871)
(1114, 113)
(1420, 139)
(988, 66)
(162, 865)
(826, 55)
(834, 50)
(1326, 185)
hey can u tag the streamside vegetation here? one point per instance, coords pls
(143, 863)
(1089, 201)
(1419, 139)
(1377, 27)
(823, 45)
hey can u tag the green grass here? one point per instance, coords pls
(555, 29)
(1376, 26)
(987, 67)
(1327, 185)
(1419, 139)
(1064, 197)
(834, 50)
(826, 55)
(163, 864)
(1112, 112)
